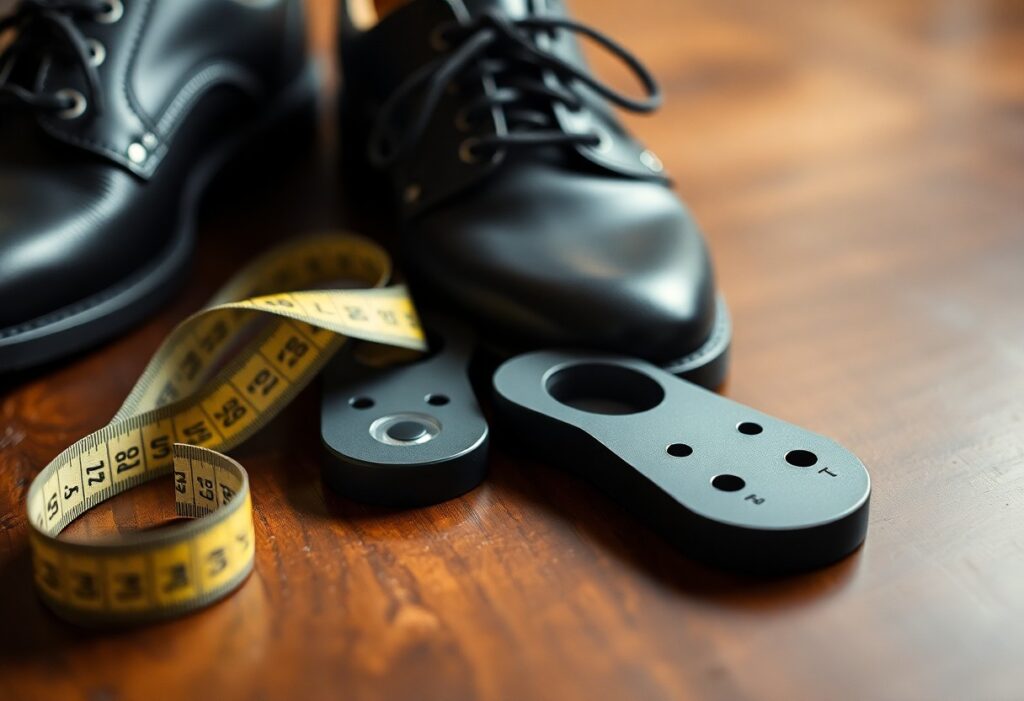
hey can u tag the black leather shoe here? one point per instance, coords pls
(525, 206)
(113, 116)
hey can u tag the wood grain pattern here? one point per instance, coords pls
(859, 169)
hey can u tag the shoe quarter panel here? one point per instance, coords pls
(163, 56)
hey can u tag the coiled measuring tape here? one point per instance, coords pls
(220, 376)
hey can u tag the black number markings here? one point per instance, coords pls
(96, 474)
(52, 506)
(293, 351)
(263, 382)
(127, 459)
(230, 412)
(218, 560)
(205, 488)
(161, 446)
(198, 432)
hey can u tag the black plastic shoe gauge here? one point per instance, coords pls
(728, 484)
(404, 435)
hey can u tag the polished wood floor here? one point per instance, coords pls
(859, 170)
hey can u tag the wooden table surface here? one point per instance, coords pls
(859, 171)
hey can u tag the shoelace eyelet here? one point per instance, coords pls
(466, 151)
(604, 139)
(438, 42)
(483, 48)
(97, 52)
(112, 14)
(78, 104)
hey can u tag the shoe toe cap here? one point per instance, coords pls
(541, 258)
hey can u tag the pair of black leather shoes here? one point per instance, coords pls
(525, 207)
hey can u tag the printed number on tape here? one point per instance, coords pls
(219, 377)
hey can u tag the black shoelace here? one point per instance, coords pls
(47, 28)
(504, 50)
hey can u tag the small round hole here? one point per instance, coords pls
(437, 399)
(360, 402)
(801, 458)
(728, 483)
(749, 428)
(679, 450)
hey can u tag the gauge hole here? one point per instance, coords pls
(605, 388)
(728, 483)
(801, 458)
(679, 450)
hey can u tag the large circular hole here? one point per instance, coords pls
(360, 402)
(679, 450)
(603, 388)
(749, 428)
(728, 483)
(801, 458)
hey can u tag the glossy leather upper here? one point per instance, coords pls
(581, 245)
(85, 202)
(544, 254)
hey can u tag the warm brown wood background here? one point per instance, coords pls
(859, 169)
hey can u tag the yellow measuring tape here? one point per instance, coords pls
(218, 378)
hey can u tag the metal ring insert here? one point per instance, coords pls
(97, 52)
(383, 430)
(78, 104)
(114, 12)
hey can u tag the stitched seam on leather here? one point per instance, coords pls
(198, 85)
(130, 71)
(204, 80)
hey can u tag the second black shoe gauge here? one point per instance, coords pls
(726, 483)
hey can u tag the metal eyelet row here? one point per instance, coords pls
(97, 55)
